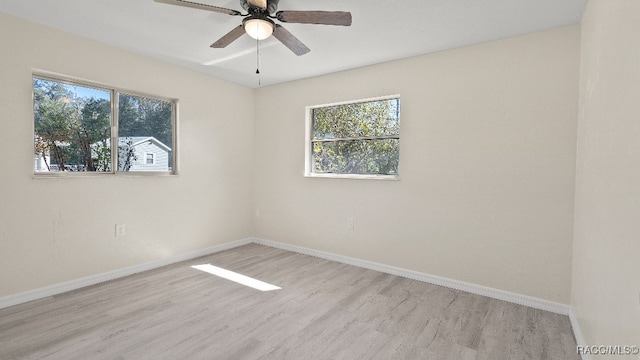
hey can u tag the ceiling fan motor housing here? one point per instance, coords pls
(272, 7)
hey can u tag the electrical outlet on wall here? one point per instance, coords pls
(351, 224)
(120, 230)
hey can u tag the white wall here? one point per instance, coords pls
(55, 230)
(606, 265)
(487, 165)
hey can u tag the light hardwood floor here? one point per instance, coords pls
(325, 310)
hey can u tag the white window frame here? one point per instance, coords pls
(308, 149)
(115, 91)
(153, 158)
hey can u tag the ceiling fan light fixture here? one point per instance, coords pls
(258, 28)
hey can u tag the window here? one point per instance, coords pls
(150, 159)
(145, 131)
(75, 125)
(358, 139)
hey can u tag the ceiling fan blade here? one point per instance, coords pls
(262, 4)
(290, 41)
(341, 18)
(195, 5)
(230, 37)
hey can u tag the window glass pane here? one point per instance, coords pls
(72, 127)
(373, 118)
(145, 126)
(356, 156)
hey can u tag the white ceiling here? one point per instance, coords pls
(382, 30)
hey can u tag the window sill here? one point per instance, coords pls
(106, 174)
(353, 176)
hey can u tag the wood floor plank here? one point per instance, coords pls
(325, 310)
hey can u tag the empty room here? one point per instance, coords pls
(263, 179)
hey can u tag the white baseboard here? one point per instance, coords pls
(111, 275)
(519, 299)
(577, 333)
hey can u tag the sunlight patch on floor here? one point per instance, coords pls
(238, 278)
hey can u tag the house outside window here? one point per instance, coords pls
(76, 123)
(357, 139)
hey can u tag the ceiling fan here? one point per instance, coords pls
(258, 22)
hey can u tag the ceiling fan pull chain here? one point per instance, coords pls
(258, 60)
